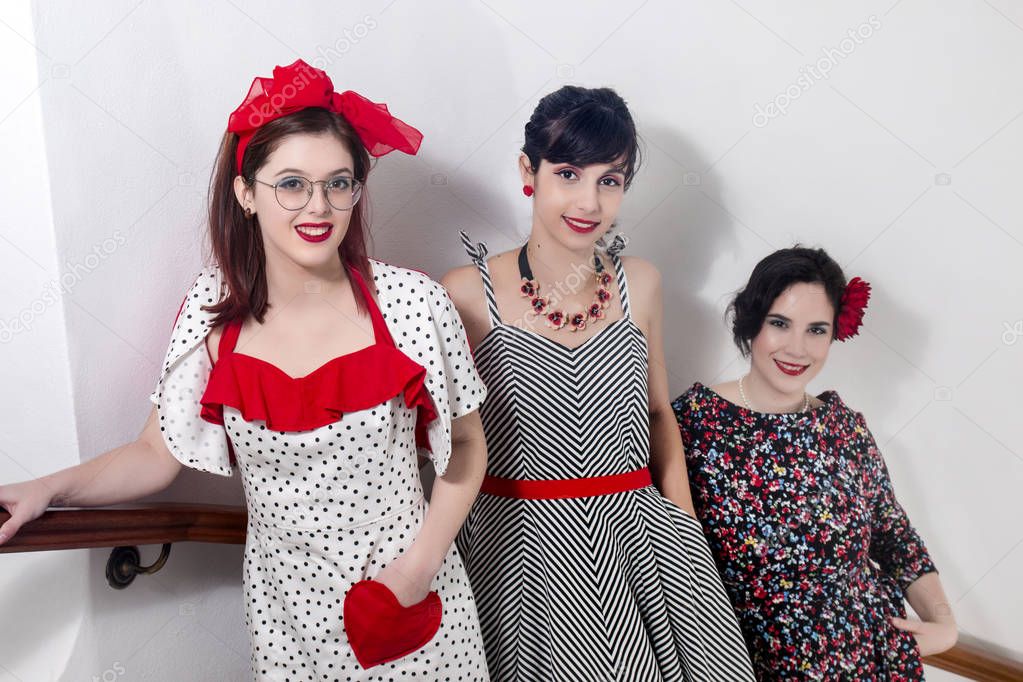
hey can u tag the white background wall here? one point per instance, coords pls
(904, 162)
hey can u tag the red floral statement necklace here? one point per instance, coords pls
(557, 319)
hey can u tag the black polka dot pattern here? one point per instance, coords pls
(334, 505)
(186, 369)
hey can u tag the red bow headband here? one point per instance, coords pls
(854, 303)
(300, 86)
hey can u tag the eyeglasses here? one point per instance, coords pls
(294, 192)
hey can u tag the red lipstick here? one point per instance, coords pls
(791, 369)
(312, 233)
(581, 226)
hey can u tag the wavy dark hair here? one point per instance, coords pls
(583, 126)
(771, 277)
(236, 242)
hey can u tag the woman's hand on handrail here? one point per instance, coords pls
(140, 468)
(24, 501)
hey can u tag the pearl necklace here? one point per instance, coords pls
(745, 400)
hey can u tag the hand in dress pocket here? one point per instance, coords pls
(380, 629)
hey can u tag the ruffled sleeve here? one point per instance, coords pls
(427, 328)
(894, 543)
(462, 383)
(454, 381)
(194, 442)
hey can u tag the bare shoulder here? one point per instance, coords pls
(644, 289)
(465, 287)
(643, 275)
(465, 283)
(462, 283)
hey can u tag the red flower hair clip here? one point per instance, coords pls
(854, 303)
(299, 86)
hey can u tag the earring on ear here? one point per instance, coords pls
(248, 213)
(527, 190)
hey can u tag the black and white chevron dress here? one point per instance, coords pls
(619, 586)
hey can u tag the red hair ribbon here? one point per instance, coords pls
(854, 303)
(300, 86)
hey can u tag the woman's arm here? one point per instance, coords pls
(409, 576)
(900, 552)
(667, 457)
(140, 468)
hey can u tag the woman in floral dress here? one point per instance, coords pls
(815, 551)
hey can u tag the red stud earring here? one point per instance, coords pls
(527, 190)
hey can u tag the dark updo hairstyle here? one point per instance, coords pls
(236, 241)
(583, 126)
(771, 277)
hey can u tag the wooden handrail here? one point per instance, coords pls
(138, 524)
(978, 660)
(154, 524)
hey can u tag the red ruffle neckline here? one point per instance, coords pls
(349, 383)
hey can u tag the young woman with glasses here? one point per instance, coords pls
(317, 372)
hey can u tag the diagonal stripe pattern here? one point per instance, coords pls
(610, 587)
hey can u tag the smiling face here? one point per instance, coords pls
(793, 343)
(308, 237)
(574, 205)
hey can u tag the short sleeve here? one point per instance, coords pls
(426, 327)
(193, 441)
(154, 396)
(465, 389)
(457, 380)
(894, 543)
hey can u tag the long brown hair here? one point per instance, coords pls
(236, 242)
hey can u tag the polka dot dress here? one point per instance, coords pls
(334, 505)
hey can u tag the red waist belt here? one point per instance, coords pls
(566, 487)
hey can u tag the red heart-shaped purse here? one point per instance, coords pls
(380, 629)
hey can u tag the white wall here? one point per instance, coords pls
(903, 162)
(37, 428)
(73, 363)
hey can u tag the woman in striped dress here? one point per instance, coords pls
(581, 549)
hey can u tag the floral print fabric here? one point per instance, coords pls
(813, 548)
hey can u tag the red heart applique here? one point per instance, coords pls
(380, 629)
